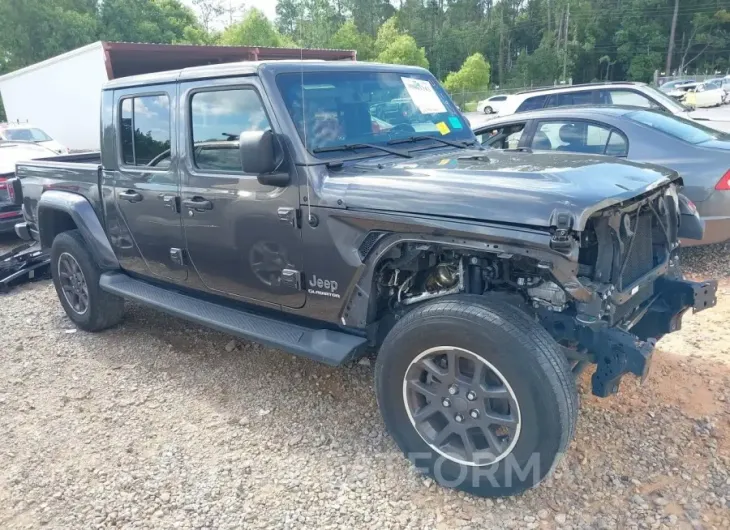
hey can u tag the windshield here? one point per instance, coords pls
(670, 104)
(346, 108)
(26, 135)
(686, 130)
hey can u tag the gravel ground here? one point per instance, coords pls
(159, 424)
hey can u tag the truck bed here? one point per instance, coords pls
(78, 173)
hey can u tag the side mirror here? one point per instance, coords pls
(257, 150)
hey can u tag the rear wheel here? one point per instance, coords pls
(76, 279)
(476, 394)
(488, 110)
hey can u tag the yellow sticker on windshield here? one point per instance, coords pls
(443, 128)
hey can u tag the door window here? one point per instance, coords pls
(578, 137)
(631, 98)
(218, 118)
(564, 99)
(533, 103)
(502, 137)
(145, 130)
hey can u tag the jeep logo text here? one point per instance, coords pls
(319, 283)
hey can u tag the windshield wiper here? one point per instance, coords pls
(412, 139)
(354, 147)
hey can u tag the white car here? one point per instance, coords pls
(23, 132)
(14, 152)
(627, 93)
(492, 105)
(707, 94)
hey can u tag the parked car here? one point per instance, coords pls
(699, 154)
(492, 105)
(464, 269)
(707, 94)
(726, 85)
(10, 154)
(22, 132)
(670, 86)
(624, 93)
(679, 92)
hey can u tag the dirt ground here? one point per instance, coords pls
(160, 424)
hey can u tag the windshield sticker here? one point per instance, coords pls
(455, 122)
(423, 95)
(443, 128)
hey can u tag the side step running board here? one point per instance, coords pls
(323, 345)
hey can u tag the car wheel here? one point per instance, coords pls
(76, 279)
(476, 394)
(488, 110)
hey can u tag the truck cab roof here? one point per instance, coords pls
(254, 68)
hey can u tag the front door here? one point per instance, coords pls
(148, 239)
(242, 236)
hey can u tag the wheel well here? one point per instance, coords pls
(52, 222)
(410, 273)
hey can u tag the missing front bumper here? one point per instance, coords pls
(618, 351)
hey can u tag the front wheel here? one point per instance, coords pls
(477, 395)
(488, 110)
(76, 279)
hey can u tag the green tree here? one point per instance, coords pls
(288, 14)
(473, 75)
(254, 30)
(157, 21)
(349, 38)
(404, 50)
(34, 30)
(387, 34)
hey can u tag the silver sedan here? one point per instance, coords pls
(700, 154)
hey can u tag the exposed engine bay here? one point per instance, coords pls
(625, 291)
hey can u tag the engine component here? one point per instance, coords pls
(549, 294)
(444, 276)
(435, 278)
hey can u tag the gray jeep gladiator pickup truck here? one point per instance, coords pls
(334, 210)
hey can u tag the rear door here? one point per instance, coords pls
(243, 238)
(578, 136)
(147, 233)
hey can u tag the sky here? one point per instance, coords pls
(267, 6)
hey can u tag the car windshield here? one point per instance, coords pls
(26, 135)
(671, 104)
(331, 109)
(687, 130)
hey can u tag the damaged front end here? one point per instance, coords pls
(628, 289)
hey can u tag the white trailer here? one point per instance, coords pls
(62, 95)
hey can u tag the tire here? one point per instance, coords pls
(102, 310)
(534, 374)
(488, 110)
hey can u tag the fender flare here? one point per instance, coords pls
(84, 216)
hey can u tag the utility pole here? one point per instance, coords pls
(670, 50)
(565, 46)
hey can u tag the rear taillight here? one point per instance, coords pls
(724, 183)
(11, 192)
(3, 183)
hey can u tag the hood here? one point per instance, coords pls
(500, 186)
(54, 146)
(13, 152)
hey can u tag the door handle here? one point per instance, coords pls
(130, 195)
(198, 203)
